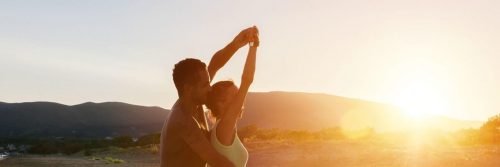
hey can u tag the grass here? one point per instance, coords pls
(108, 160)
(113, 160)
(340, 153)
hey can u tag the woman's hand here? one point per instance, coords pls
(244, 37)
(254, 37)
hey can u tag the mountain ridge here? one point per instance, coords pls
(276, 109)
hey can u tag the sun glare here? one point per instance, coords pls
(420, 100)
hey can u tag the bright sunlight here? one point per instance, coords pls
(420, 99)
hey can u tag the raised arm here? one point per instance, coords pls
(228, 121)
(220, 58)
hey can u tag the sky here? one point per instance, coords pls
(433, 57)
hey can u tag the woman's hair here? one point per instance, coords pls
(216, 94)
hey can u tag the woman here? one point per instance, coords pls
(225, 102)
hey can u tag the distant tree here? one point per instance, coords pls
(468, 136)
(97, 143)
(334, 133)
(490, 131)
(149, 139)
(248, 132)
(71, 147)
(299, 135)
(44, 147)
(122, 141)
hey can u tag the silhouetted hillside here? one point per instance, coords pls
(285, 110)
(47, 119)
(309, 111)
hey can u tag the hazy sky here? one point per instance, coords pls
(437, 56)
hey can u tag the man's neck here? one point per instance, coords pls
(194, 110)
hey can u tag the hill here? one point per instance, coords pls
(44, 119)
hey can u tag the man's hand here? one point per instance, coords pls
(220, 58)
(244, 37)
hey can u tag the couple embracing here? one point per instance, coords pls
(186, 139)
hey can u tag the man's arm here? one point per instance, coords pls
(207, 152)
(198, 142)
(220, 58)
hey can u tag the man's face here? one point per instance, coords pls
(201, 88)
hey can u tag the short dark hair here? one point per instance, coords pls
(187, 72)
(215, 94)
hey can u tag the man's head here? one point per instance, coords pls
(191, 79)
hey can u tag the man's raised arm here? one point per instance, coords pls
(220, 58)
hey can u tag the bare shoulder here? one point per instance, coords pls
(177, 116)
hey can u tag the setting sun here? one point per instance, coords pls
(182, 83)
(421, 99)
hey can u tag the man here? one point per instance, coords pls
(184, 137)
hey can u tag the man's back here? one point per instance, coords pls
(179, 130)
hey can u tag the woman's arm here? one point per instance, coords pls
(226, 127)
(222, 56)
(234, 109)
